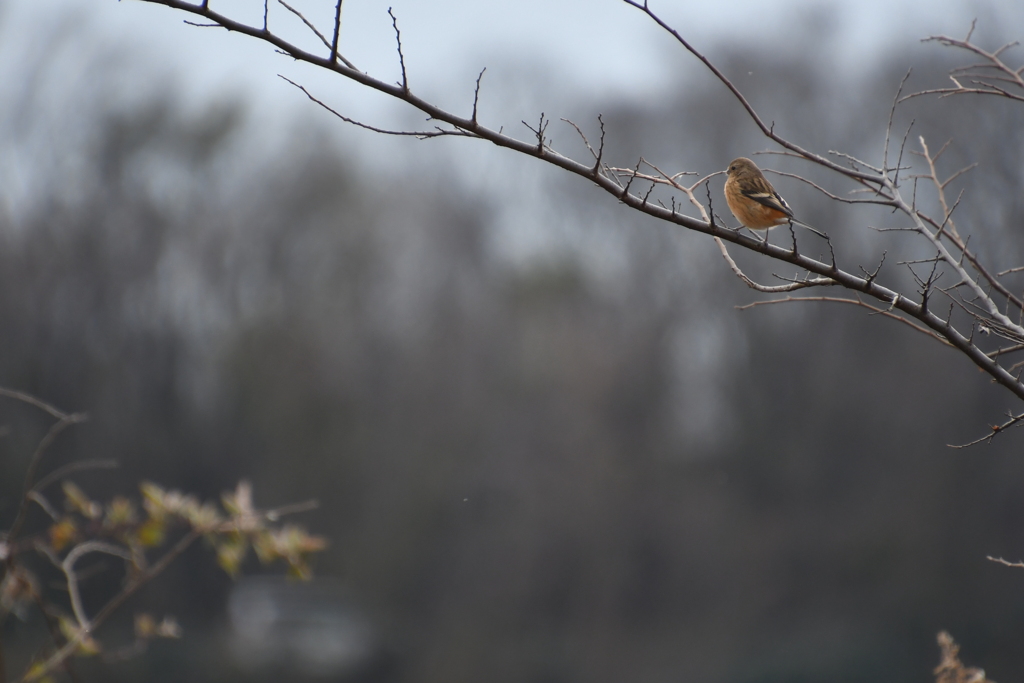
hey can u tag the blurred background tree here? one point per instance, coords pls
(579, 465)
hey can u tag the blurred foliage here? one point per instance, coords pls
(586, 467)
(951, 669)
(116, 529)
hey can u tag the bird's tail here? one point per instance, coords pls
(817, 232)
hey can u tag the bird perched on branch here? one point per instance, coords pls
(754, 201)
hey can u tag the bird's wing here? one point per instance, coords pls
(772, 200)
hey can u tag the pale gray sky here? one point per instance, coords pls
(601, 47)
(589, 50)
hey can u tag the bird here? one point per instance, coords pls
(754, 201)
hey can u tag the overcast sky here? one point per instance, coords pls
(600, 47)
(589, 50)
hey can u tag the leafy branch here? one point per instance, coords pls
(81, 526)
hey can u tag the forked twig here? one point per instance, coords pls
(980, 76)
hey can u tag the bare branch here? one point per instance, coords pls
(899, 160)
(586, 142)
(1006, 350)
(77, 466)
(975, 72)
(888, 127)
(33, 401)
(476, 94)
(792, 286)
(1014, 421)
(337, 33)
(540, 132)
(845, 200)
(410, 133)
(41, 501)
(305, 21)
(955, 236)
(600, 147)
(68, 566)
(879, 181)
(295, 508)
(768, 130)
(1019, 565)
(401, 57)
(856, 302)
(137, 582)
(55, 429)
(1010, 270)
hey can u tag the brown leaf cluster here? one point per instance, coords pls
(951, 669)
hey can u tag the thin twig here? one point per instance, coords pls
(856, 302)
(137, 582)
(422, 134)
(55, 429)
(770, 289)
(295, 508)
(337, 32)
(68, 566)
(33, 401)
(77, 466)
(401, 57)
(1018, 565)
(870, 178)
(983, 86)
(768, 131)
(476, 94)
(1014, 421)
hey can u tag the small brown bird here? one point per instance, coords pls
(754, 201)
